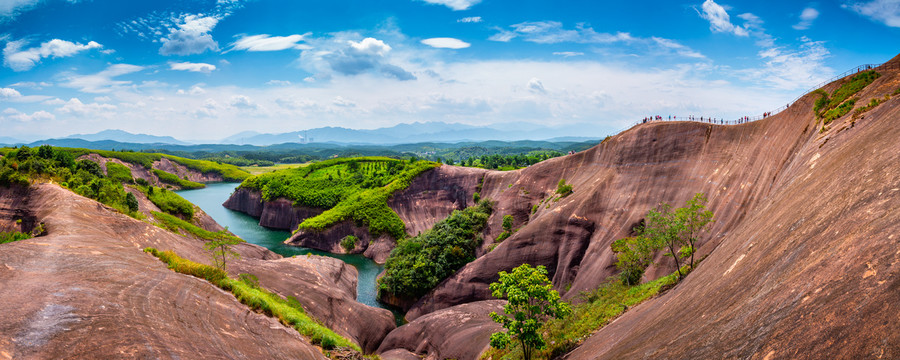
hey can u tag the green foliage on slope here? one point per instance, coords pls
(173, 179)
(170, 202)
(419, 263)
(349, 188)
(11, 236)
(839, 103)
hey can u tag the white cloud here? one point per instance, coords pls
(20, 59)
(32, 85)
(194, 90)
(536, 86)
(12, 8)
(278, 83)
(552, 32)
(446, 43)
(190, 35)
(101, 82)
(793, 69)
(242, 102)
(470, 19)
(677, 48)
(8, 93)
(568, 53)
(884, 11)
(342, 55)
(718, 18)
(340, 101)
(265, 42)
(102, 99)
(194, 67)
(13, 114)
(806, 18)
(76, 108)
(454, 4)
(54, 102)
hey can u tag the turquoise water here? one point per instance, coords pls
(210, 199)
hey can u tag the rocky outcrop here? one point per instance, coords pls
(15, 214)
(431, 197)
(182, 171)
(105, 297)
(140, 172)
(461, 332)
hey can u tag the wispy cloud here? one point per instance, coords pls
(552, 32)
(79, 109)
(470, 19)
(194, 67)
(454, 4)
(446, 43)
(568, 53)
(13, 114)
(101, 82)
(807, 17)
(11, 8)
(884, 11)
(718, 18)
(342, 55)
(19, 59)
(264, 42)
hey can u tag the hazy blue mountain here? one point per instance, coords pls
(127, 137)
(424, 132)
(6, 140)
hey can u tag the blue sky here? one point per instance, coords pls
(206, 69)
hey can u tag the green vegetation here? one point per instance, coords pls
(349, 243)
(598, 308)
(220, 248)
(228, 172)
(173, 179)
(531, 300)
(119, 172)
(507, 228)
(507, 162)
(563, 189)
(871, 105)
(47, 164)
(633, 255)
(829, 108)
(177, 225)
(350, 189)
(288, 311)
(8, 237)
(170, 202)
(896, 92)
(675, 230)
(418, 264)
(256, 170)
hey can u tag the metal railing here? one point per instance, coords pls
(720, 121)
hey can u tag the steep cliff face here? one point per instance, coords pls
(93, 293)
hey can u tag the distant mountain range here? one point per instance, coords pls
(417, 132)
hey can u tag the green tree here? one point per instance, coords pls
(508, 222)
(563, 189)
(634, 254)
(530, 301)
(131, 202)
(220, 248)
(695, 219)
(663, 228)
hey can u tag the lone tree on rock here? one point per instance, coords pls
(676, 230)
(530, 301)
(220, 248)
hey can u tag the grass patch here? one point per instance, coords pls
(600, 306)
(170, 178)
(871, 105)
(170, 202)
(257, 170)
(8, 237)
(119, 172)
(839, 103)
(177, 225)
(288, 311)
(348, 188)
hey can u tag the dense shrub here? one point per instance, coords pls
(839, 103)
(563, 189)
(118, 172)
(173, 179)
(8, 237)
(418, 264)
(349, 243)
(170, 202)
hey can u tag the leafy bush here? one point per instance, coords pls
(563, 189)
(118, 172)
(288, 311)
(418, 264)
(349, 243)
(840, 102)
(228, 172)
(131, 202)
(8, 237)
(170, 202)
(173, 179)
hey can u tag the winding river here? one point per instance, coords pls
(210, 199)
